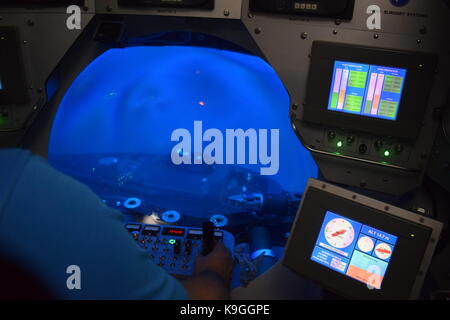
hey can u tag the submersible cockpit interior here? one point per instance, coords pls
(311, 137)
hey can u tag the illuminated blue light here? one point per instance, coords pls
(129, 101)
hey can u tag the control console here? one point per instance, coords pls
(176, 248)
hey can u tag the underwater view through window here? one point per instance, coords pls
(183, 134)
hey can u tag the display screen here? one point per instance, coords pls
(173, 232)
(366, 90)
(353, 249)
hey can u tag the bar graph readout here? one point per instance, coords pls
(367, 90)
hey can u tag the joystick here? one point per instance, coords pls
(208, 238)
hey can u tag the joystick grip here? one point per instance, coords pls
(208, 238)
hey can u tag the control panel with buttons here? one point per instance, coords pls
(366, 147)
(175, 248)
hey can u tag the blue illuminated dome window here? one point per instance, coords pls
(114, 125)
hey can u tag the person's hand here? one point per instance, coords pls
(212, 277)
(219, 261)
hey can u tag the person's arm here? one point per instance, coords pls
(212, 277)
(49, 222)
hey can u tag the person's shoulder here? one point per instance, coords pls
(12, 160)
(13, 153)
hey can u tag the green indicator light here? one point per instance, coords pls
(412, 235)
(172, 241)
(387, 153)
(339, 144)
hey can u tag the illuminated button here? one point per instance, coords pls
(339, 144)
(387, 153)
(172, 241)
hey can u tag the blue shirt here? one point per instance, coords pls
(49, 221)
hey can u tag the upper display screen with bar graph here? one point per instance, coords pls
(367, 90)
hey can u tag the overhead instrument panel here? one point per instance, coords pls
(342, 9)
(198, 4)
(59, 3)
(223, 9)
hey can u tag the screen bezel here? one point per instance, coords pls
(417, 86)
(405, 262)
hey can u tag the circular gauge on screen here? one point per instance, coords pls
(383, 251)
(365, 244)
(339, 233)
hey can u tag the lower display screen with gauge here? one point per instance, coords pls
(353, 249)
(358, 247)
